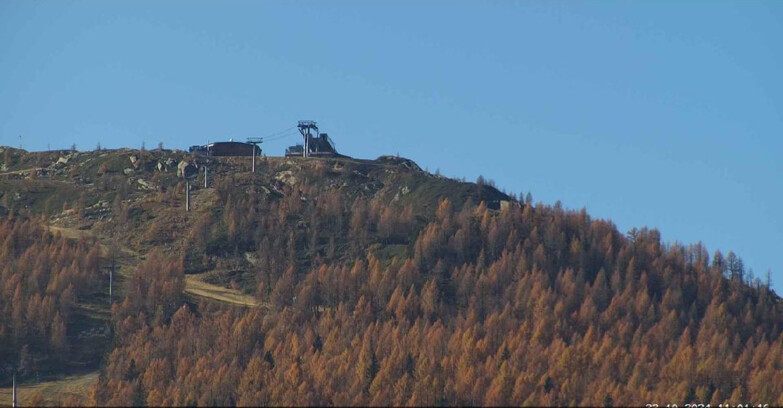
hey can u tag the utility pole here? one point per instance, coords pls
(187, 176)
(13, 403)
(205, 176)
(111, 283)
(255, 141)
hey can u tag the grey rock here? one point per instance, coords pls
(145, 185)
(286, 176)
(186, 170)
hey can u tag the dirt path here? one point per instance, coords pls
(21, 171)
(52, 392)
(195, 286)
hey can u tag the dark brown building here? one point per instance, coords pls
(230, 148)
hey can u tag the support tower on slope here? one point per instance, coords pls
(307, 128)
(316, 144)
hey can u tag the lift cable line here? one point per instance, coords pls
(274, 135)
(282, 136)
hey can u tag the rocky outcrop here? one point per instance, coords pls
(186, 169)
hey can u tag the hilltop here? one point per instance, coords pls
(137, 198)
(338, 281)
(128, 203)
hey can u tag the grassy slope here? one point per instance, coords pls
(52, 392)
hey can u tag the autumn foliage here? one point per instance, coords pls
(367, 302)
(43, 277)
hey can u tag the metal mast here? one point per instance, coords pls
(255, 141)
(14, 404)
(307, 128)
(111, 283)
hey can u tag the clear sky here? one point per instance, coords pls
(660, 114)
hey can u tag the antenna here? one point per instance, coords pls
(255, 141)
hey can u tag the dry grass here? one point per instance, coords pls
(77, 234)
(73, 388)
(71, 233)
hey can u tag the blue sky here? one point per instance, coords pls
(659, 114)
